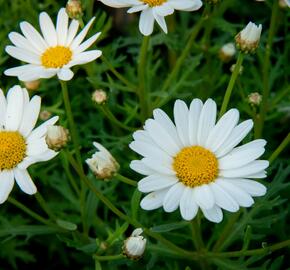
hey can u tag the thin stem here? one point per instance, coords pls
(109, 258)
(44, 206)
(117, 74)
(280, 148)
(266, 67)
(231, 84)
(142, 91)
(125, 180)
(29, 212)
(106, 111)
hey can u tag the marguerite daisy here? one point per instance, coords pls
(196, 163)
(55, 52)
(152, 10)
(20, 145)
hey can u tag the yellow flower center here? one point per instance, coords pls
(56, 57)
(195, 166)
(12, 149)
(154, 3)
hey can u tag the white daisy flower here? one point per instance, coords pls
(20, 145)
(52, 53)
(152, 10)
(196, 163)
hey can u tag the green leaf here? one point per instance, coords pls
(66, 225)
(169, 227)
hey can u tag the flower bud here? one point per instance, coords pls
(32, 85)
(254, 99)
(102, 163)
(248, 39)
(134, 246)
(232, 68)
(227, 52)
(74, 9)
(56, 137)
(44, 115)
(99, 96)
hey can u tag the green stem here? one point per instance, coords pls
(125, 217)
(125, 180)
(44, 206)
(29, 212)
(105, 110)
(280, 148)
(231, 84)
(142, 90)
(109, 258)
(266, 67)
(117, 74)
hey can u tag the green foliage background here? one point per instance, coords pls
(64, 243)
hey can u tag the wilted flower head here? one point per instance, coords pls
(152, 10)
(102, 163)
(248, 39)
(99, 96)
(52, 53)
(134, 246)
(57, 137)
(74, 9)
(20, 144)
(254, 98)
(227, 52)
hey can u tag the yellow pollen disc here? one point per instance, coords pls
(195, 166)
(12, 149)
(56, 57)
(154, 3)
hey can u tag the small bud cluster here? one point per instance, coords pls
(57, 137)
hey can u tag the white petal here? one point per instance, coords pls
(249, 169)
(21, 42)
(158, 166)
(120, 3)
(84, 57)
(186, 5)
(65, 74)
(89, 42)
(14, 111)
(161, 21)
(139, 167)
(254, 188)
(163, 10)
(143, 136)
(72, 31)
(36, 147)
(188, 206)
(30, 116)
(160, 136)
(181, 121)
(146, 22)
(206, 121)
(239, 195)
(6, 184)
(3, 105)
(223, 199)
(29, 160)
(203, 196)
(24, 181)
(153, 200)
(23, 55)
(193, 119)
(222, 130)
(137, 8)
(156, 182)
(62, 27)
(214, 214)
(47, 29)
(172, 198)
(237, 135)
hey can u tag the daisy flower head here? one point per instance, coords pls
(20, 144)
(196, 163)
(154, 10)
(52, 53)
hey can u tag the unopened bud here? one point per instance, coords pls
(74, 9)
(227, 52)
(248, 39)
(32, 85)
(57, 137)
(134, 246)
(254, 99)
(44, 115)
(99, 96)
(232, 68)
(102, 163)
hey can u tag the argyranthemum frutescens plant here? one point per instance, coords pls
(206, 165)
(20, 144)
(196, 164)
